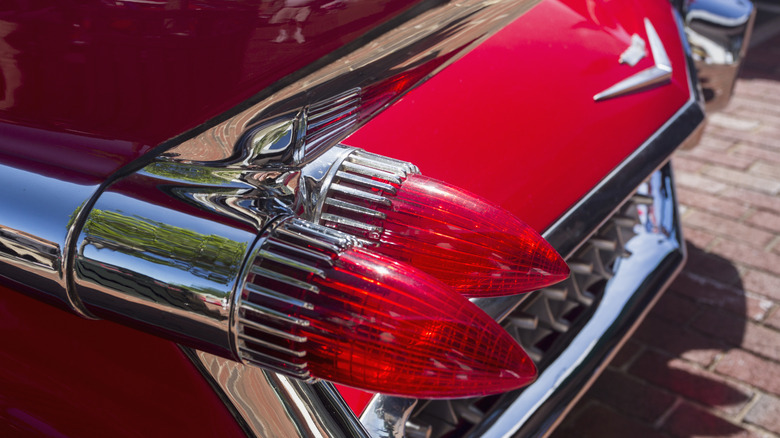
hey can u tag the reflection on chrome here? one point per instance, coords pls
(26, 248)
(35, 230)
(388, 417)
(273, 405)
(718, 32)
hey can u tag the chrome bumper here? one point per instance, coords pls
(718, 32)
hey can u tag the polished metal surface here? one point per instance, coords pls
(300, 248)
(341, 183)
(718, 32)
(164, 249)
(387, 416)
(338, 98)
(658, 74)
(271, 405)
(36, 224)
(158, 267)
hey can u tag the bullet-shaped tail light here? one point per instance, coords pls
(460, 238)
(313, 305)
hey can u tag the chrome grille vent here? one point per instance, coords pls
(548, 314)
(546, 320)
(267, 334)
(362, 182)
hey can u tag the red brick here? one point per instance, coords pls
(765, 137)
(739, 332)
(598, 421)
(753, 151)
(735, 177)
(732, 299)
(729, 228)
(721, 325)
(762, 283)
(713, 204)
(710, 156)
(748, 255)
(699, 238)
(755, 104)
(676, 308)
(683, 164)
(715, 143)
(766, 118)
(751, 369)
(688, 421)
(755, 199)
(774, 320)
(626, 354)
(765, 413)
(631, 396)
(763, 219)
(678, 341)
(733, 123)
(766, 170)
(691, 382)
(711, 267)
(699, 182)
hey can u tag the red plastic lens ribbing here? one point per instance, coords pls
(383, 326)
(463, 240)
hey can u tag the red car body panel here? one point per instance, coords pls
(515, 121)
(97, 86)
(91, 86)
(64, 376)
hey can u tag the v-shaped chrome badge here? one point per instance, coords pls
(659, 74)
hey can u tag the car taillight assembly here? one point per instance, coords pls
(463, 240)
(316, 306)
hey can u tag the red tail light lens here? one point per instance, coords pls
(367, 321)
(459, 238)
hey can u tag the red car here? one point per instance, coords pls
(455, 212)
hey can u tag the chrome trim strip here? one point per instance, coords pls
(417, 48)
(37, 221)
(267, 404)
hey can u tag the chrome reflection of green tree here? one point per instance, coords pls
(193, 174)
(207, 256)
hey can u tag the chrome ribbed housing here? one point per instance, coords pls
(330, 118)
(362, 182)
(546, 321)
(271, 320)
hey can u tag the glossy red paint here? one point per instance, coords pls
(87, 86)
(515, 121)
(63, 376)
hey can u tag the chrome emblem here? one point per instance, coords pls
(659, 74)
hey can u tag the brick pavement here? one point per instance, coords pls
(706, 361)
